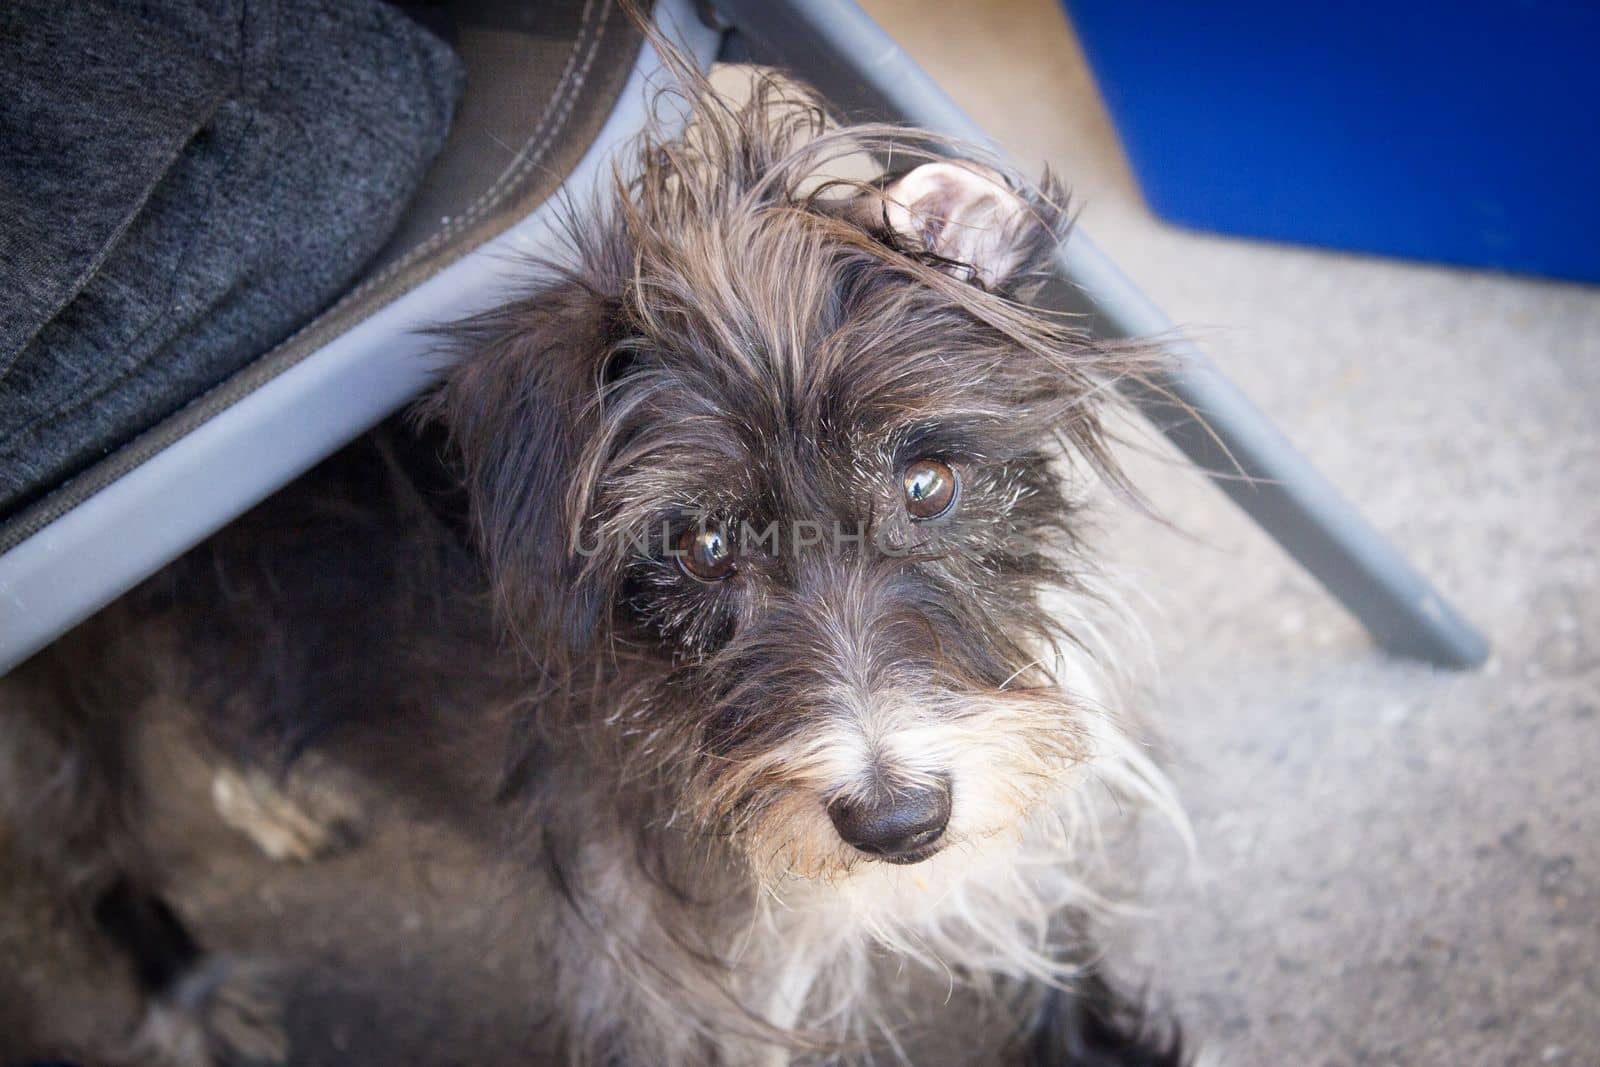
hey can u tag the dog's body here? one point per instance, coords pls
(732, 539)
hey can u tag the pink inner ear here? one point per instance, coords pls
(931, 213)
(961, 212)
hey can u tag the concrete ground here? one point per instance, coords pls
(1398, 865)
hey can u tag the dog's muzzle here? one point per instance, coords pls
(902, 824)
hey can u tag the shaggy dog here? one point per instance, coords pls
(750, 539)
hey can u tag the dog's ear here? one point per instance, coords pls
(965, 217)
(522, 406)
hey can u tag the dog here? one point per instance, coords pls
(749, 544)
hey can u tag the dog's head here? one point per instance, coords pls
(771, 481)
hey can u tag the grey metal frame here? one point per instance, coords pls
(836, 47)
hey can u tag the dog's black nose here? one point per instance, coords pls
(899, 824)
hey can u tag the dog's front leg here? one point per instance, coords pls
(1093, 1025)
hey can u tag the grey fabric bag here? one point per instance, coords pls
(182, 184)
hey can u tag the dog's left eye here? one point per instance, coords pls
(929, 488)
(705, 554)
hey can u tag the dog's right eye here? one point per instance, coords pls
(705, 555)
(930, 488)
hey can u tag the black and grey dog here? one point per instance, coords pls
(750, 541)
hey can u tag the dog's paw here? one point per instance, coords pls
(224, 1014)
(310, 814)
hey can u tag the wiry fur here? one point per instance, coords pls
(733, 340)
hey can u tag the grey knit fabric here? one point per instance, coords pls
(182, 183)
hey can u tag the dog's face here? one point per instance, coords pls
(773, 483)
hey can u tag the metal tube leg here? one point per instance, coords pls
(1212, 423)
(1289, 499)
(835, 46)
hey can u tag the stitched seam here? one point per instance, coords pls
(518, 167)
(561, 103)
(570, 88)
(555, 115)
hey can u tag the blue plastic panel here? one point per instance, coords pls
(1465, 132)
